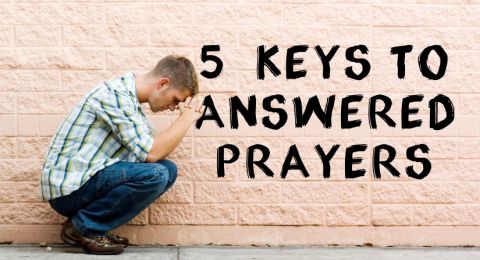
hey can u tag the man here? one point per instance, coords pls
(105, 163)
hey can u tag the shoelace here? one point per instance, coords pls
(103, 239)
(112, 236)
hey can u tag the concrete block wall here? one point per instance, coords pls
(52, 52)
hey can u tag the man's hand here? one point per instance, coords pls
(165, 141)
(192, 108)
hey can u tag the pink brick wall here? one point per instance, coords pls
(52, 52)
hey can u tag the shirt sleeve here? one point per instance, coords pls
(119, 111)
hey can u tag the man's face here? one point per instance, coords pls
(166, 97)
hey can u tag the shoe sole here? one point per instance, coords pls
(69, 241)
(103, 253)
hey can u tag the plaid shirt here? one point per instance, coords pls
(107, 126)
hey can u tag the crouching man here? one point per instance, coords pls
(105, 164)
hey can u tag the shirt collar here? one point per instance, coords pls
(129, 82)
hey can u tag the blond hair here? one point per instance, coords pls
(179, 70)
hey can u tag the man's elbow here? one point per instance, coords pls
(152, 157)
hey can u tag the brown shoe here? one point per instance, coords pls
(118, 239)
(97, 245)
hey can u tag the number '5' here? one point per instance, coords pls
(217, 60)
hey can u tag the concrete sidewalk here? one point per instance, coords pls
(233, 252)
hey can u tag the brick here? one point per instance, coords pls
(186, 170)
(8, 125)
(6, 35)
(105, 36)
(8, 59)
(238, 14)
(466, 61)
(465, 82)
(183, 151)
(281, 215)
(468, 192)
(82, 13)
(386, 64)
(7, 14)
(20, 170)
(337, 170)
(226, 82)
(343, 215)
(449, 38)
(28, 213)
(47, 103)
(206, 170)
(208, 129)
(49, 124)
(83, 58)
(30, 80)
(339, 82)
(337, 14)
(206, 147)
(180, 192)
(388, 37)
(143, 58)
(426, 215)
(282, 36)
(141, 218)
(438, 147)
(309, 192)
(8, 149)
(473, 123)
(441, 192)
(19, 191)
(168, 214)
(414, 15)
(140, 13)
(469, 104)
(306, 146)
(236, 58)
(83, 80)
(39, 58)
(222, 214)
(467, 16)
(34, 14)
(185, 36)
(312, 82)
(382, 83)
(468, 168)
(468, 215)
(392, 215)
(236, 192)
(468, 148)
(33, 147)
(444, 170)
(275, 165)
(43, 58)
(41, 35)
(391, 193)
(27, 125)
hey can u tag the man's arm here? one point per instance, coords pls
(165, 141)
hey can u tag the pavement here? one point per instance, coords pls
(238, 252)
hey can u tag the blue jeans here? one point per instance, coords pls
(115, 195)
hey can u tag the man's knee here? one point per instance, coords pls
(172, 169)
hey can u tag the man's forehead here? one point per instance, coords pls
(184, 94)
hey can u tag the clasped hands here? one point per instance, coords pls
(192, 107)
